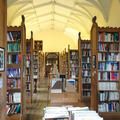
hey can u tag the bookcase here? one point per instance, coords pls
(85, 69)
(29, 69)
(3, 37)
(62, 62)
(105, 92)
(73, 65)
(16, 52)
(35, 69)
(38, 46)
(41, 64)
(51, 58)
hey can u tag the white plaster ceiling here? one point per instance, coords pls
(58, 14)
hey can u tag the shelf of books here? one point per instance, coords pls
(41, 65)
(65, 63)
(29, 69)
(35, 69)
(61, 62)
(15, 71)
(73, 65)
(105, 92)
(3, 56)
(85, 78)
(38, 46)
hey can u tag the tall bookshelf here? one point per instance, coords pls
(51, 58)
(105, 92)
(29, 69)
(35, 69)
(3, 38)
(85, 69)
(61, 62)
(65, 63)
(16, 53)
(41, 65)
(73, 65)
(38, 47)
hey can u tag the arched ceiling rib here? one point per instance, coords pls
(72, 13)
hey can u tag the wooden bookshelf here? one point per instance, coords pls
(51, 58)
(29, 69)
(73, 65)
(85, 69)
(3, 38)
(105, 92)
(41, 64)
(61, 62)
(38, 47)
(64, 63)
(16, 52)
(35, 69)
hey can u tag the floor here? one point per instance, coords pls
(35, 111)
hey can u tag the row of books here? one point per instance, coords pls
(86, 93)
(35, 70)
(108, 47)
(27, 94)
(28, 86)
(86, 86)
(28, 78)
(108, 66)
(108, 56)
(86, 66)
(108, 96)
(13, 109)
(35, 76)
(86, 53)
(86, 45)
(86, 60)
(35, 56)
(73, 55)
(13, 72)
(38, 45)
(28, 63)
(86, 80)
(70, 113)
(108, 86)
(28, 71)
(13, 97)
(28, 48)
(14, 47)
(108, 76)
(14, 59)
(108, 107)
(28, 56)
(86, 73)
(108, 37)
(13, 83)
(13, 36)
(73, 74)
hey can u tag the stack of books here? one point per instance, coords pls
(70, 113)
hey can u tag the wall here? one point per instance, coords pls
(54, 40)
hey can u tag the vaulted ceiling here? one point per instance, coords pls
(60, 14)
